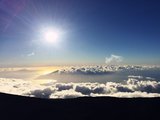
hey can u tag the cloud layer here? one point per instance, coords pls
(99, 70)
(132, 87)
(86, 70)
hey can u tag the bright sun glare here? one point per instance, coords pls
(51, 35)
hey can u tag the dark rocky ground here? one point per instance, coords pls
(14, 107)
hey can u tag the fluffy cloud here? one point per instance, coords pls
(114, 60)
(144, 86)
(31, 54)
(40, 93)
(63, 86)
(130, 88)
(66, 94)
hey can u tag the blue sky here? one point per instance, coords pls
(92, 30)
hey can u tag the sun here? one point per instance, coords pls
(51, 35)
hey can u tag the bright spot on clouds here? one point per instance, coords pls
(114, 59)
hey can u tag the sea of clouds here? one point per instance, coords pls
(133, 87)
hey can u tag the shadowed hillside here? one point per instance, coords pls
(18, 107)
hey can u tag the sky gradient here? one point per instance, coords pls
(92, 30)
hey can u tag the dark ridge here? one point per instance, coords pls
(14, 107)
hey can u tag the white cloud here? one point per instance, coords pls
(150, 78)
(113, 60)
(133, 76)
(31, 54)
